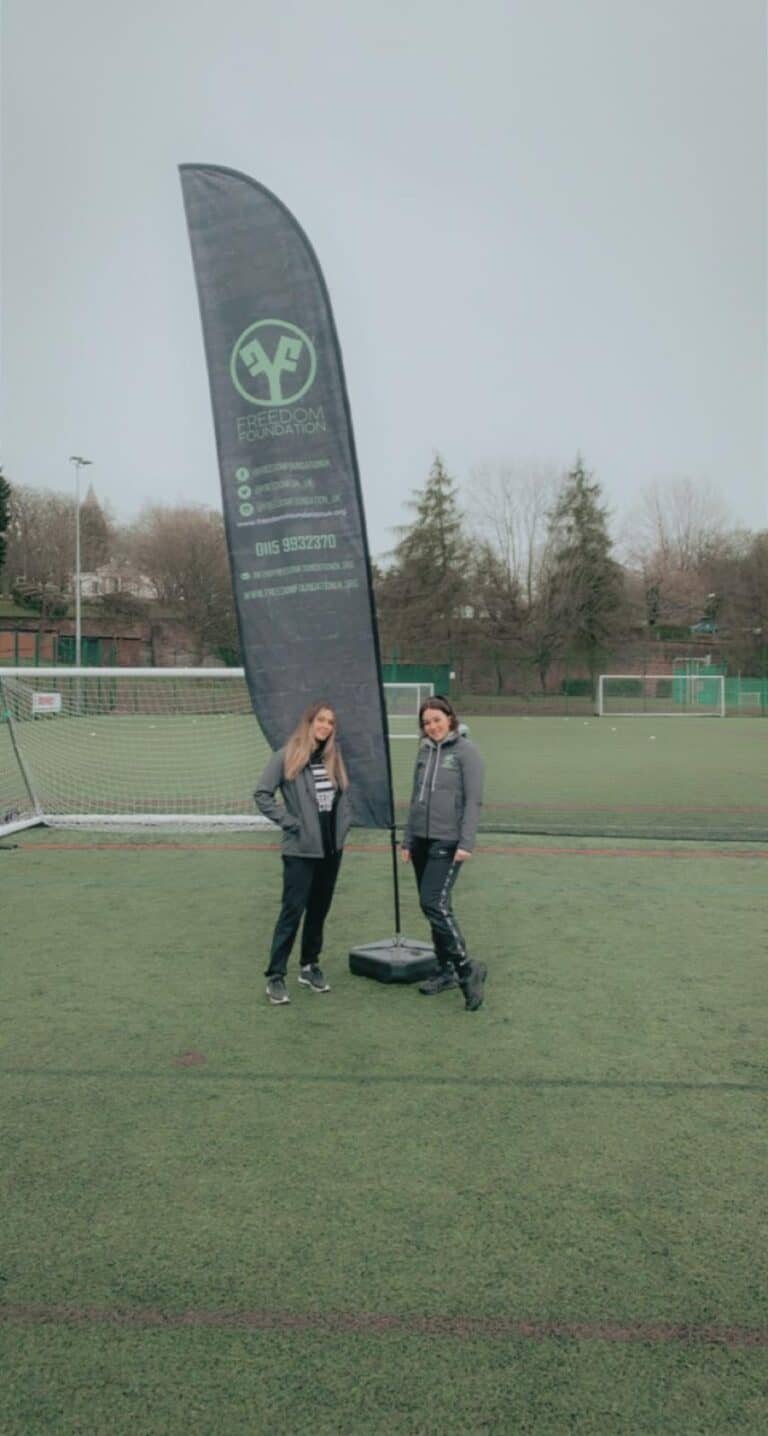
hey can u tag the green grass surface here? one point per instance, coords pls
(587, 1152)
(681, 778)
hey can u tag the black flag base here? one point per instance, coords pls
(394, 959)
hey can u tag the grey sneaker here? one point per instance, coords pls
(276, 990)
(312, 977)
(473, 986)
(441, 981)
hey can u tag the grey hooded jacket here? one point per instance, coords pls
(447, 792)
(298, 815)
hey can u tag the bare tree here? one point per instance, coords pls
(5, 517)
(673, 526)
(737, 578)
(668, 540)
(40, 537)
(494, 630)
(183, 553)
(509, 507)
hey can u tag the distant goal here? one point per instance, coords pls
(403, 702)
(140, 747)
(658, 695)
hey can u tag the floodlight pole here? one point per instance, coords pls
(79, 463)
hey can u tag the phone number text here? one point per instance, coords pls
(294, 543)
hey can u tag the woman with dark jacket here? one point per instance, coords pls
(439, 837)
(315, 818)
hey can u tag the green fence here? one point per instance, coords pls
(438, 674)
(746, 695)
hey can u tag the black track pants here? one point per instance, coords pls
(308, 885)
(436, 875)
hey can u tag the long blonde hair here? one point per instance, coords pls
(300, 745)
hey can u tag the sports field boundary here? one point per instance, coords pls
(699, 852)
(359, 1323)
(178, 1071)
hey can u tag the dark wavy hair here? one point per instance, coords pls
(443, 705)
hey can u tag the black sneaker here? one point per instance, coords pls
(473, 984)
(440, 981)
(276, 990)
(313, 977)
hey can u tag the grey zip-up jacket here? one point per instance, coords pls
(447, 792)
(298, 814)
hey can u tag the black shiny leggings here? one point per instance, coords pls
(436, 876)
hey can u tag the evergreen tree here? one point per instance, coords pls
(422, 597)
(5, 518)
(585, 584)
(95, 533)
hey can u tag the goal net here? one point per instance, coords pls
(128, 746)
(403, 701)
(124, 747)
(652, 695)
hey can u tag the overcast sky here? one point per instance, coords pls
(542, 224)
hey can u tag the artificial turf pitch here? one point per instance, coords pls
(633, 777)
(371, 1211)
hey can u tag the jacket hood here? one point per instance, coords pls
(450, 737)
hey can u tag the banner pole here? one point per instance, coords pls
(396, 880)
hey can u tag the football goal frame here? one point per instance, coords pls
(660, 695)
(403, 701)
(126, 748)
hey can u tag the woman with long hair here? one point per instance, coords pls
(314, 816)
(439, 838)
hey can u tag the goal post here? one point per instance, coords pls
(125, 747)
(661, 695)
(140, 747)
(403, 701)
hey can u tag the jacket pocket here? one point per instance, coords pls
(443, 814)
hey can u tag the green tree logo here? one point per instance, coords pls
(273, 363)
